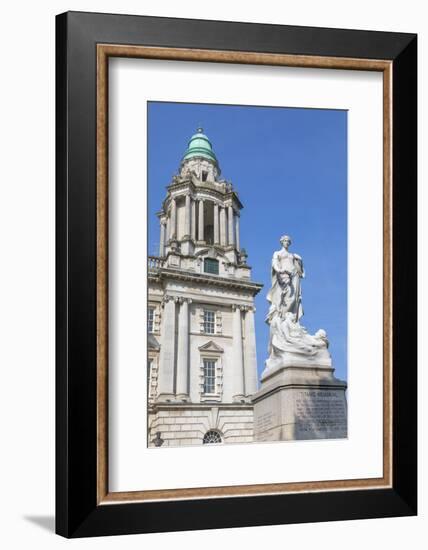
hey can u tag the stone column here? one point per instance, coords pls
(238, 364)
(187, 217)
(231, 228)
(201, 221)
(250, 363)
(238, 247)
(183, 351)
(173, 228)
(168, 229)
(222, 226)
(162, 239)
(216, 232)
(193, 220)
(167, 351)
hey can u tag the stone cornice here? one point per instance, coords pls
(215, 280)
(162, 406)
(208, 188)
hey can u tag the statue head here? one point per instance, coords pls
(285, 240)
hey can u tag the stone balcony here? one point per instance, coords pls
(155, 262)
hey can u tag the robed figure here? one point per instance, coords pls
(285, 294)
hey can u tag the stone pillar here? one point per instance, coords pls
(187, 217)
(167, 351)
(201, 221)
(173, 225)
(216, 231)
(238, 247)
(222, 226)
(231, 228)
(162, 239)
(193, 220)
(250, 364)
(183, 351)
(168, 230)
(238, 364)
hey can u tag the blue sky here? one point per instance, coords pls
(289, 167)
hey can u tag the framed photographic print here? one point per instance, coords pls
(236, 274)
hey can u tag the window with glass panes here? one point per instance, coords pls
(209, 321)
(150, 319)
(209, 375)
(211, 266)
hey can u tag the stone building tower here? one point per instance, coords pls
(202, 368)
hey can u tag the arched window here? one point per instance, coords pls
(212, 436)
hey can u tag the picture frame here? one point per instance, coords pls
(84, 44)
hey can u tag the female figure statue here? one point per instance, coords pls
(285, 294)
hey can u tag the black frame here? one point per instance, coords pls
(77, 513)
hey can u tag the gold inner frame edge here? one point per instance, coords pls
(104, 51)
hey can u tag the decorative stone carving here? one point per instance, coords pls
(211, 346)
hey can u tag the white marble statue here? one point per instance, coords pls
(285, 294)
(289, 341)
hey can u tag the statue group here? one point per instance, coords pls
(288, 338)
(299, 396)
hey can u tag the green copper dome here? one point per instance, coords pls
(200, 146)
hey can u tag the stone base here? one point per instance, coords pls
(180, 424)
(298, 403)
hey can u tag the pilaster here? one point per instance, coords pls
(167, 352)
(231, 238)
(183, 350)
(250, 353)
(201, 221)
(238, 367)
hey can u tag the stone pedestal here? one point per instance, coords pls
(300, 402)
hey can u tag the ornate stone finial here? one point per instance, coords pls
(200, 130)
(158, 441)
(243, 256)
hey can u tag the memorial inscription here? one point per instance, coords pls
(320, 412)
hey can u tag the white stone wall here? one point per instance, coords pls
(187, 426)
(221, 301)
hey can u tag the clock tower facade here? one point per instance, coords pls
(202, 367)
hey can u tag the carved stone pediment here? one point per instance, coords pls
(211, 346)
(211, 252)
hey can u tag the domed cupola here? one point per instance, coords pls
(200, 158)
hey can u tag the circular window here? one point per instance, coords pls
(212, 437)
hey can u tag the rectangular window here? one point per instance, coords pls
(211, 265)
(209, 321)
(150, 319)
(209, 376)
